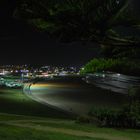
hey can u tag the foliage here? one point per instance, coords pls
(121, 65)
(80, 19)
(134, 93)
(128, 116)
(120, 52)
(87, 119)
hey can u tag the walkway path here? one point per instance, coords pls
(34, 124)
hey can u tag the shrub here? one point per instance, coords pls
(87, 119)
(128, 116)
(120, 65)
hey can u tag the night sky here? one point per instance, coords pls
(20, 44)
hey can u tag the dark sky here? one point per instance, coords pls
(19, 43)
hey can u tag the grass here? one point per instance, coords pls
(133, 134)
(17, 133)
(12, 132)
(31, 113)
(13, 101)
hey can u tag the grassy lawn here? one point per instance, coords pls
(16, 127)
(35, 121)
(17, 133)
(13, 101)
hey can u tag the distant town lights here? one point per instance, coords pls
(16, 71)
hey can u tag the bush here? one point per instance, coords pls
(127, 117)
(120, 65)
(87, 119)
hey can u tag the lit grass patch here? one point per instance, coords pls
(126, 133)
(17, 133)
(13, 101)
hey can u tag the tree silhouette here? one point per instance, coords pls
(89, 20)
